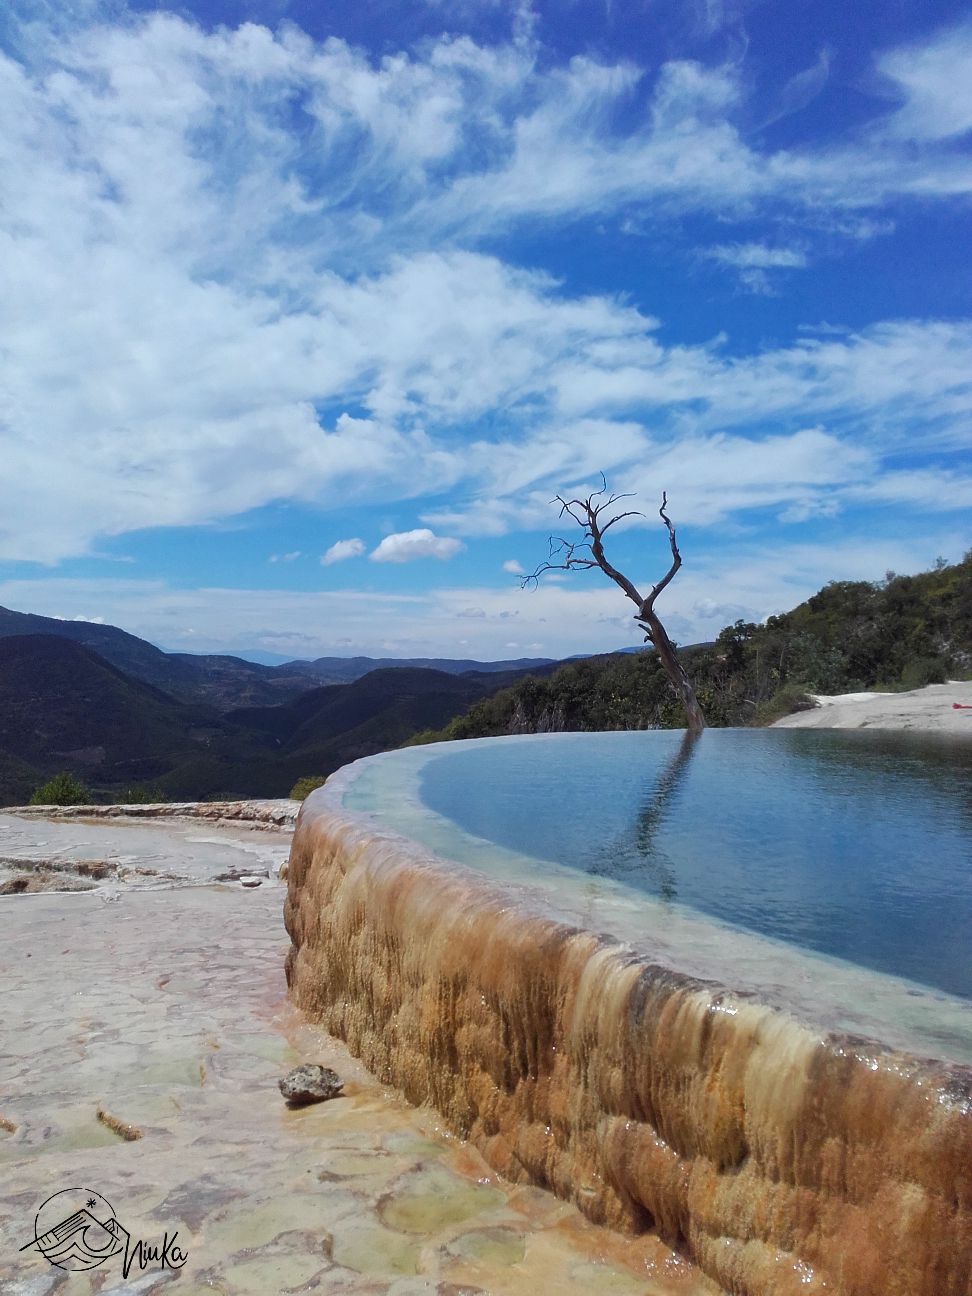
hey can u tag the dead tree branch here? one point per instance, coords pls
(568, 555)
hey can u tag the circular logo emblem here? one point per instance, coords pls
(75, 1229)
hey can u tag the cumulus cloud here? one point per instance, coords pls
(513, 567)
(341, 550)
(407, 546)
(933, 81)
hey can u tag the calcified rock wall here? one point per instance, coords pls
(261, 814)
(779, 1161)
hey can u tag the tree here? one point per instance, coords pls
(589, 552)
(62, 789)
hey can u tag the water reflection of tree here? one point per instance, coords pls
(636, 851)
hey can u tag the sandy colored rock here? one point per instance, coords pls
(171, 1013)
(783, 1160)
(932, 708)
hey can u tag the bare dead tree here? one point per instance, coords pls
(566, 555)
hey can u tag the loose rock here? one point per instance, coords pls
(310, 1083)
(250, 881)
(238, 874)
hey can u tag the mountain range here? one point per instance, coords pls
(119, 712)
(100, 702)
(225, 681)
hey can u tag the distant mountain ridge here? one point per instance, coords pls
(222, 680)
(351, 668)
(63, 706)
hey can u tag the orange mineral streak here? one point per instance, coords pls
(781, 1161)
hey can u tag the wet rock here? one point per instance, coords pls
(197, 1199)
(241, 874)
(31, 883)
(95, 868)
(250, 881)
(310, 1083)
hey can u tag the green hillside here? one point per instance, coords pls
(900, 633)
(330, 726)
(65, 708)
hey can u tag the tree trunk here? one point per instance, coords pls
(674, 670)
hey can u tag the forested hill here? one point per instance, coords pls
(900, 633)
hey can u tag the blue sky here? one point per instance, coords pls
(307, 311)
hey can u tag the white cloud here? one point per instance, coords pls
(757, 255)
(754, 261)
(582, 613)
(168, 349)
(513, 567)
(934, 81)
(802, 88)
(342, 550)
(407, 546)
(286, 557)
(709, 479)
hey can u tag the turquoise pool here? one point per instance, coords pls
(826, 872)
(853, 844)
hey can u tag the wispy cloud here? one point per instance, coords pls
(801, 89)
(342, 550)
(756, 262)
(746, 256)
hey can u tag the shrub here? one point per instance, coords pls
(305, 786)
(923, 670)
(142, 794)
(62, 789)
(785, 701)
(421, 738)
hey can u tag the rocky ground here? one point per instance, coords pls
(146, 1026)
(945, 708)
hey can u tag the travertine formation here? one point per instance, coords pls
(936, 708)
(781, 1161)
(167, 1013)
(262, 814)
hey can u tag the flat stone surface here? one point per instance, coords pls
(931, 709)
(168, 1009)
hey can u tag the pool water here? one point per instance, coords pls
(855, 845)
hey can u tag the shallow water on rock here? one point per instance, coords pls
(140, 854)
